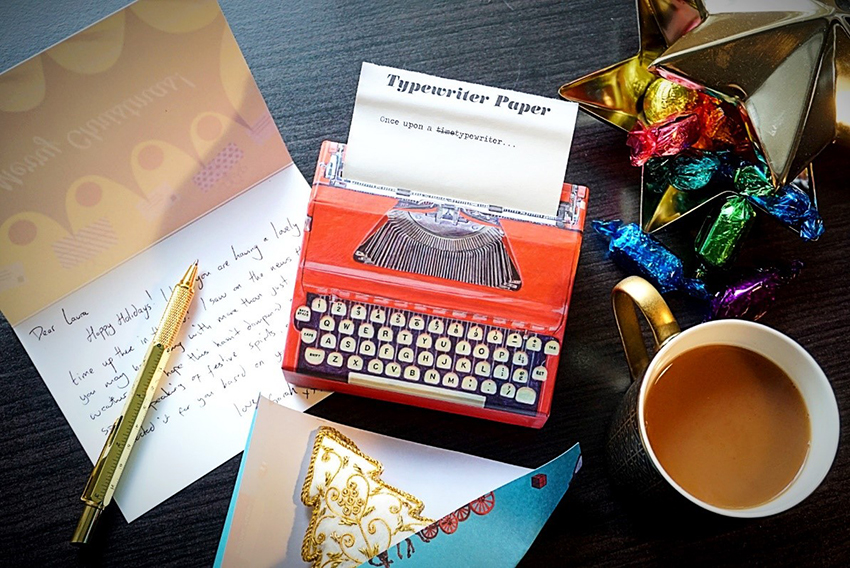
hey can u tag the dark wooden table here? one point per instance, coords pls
(306, 58)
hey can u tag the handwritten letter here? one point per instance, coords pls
(88, 346)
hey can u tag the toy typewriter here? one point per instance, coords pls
(434, 302)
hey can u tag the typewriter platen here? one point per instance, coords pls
(440, 303)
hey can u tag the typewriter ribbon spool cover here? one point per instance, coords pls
(438, 303)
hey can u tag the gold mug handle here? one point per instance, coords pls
(634, 292)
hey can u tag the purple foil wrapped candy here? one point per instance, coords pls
(639, 253)
(751, 297)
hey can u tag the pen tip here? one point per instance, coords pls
(189, 277)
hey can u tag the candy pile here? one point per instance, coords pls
(695, 143)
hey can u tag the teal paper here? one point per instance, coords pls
(498, 538)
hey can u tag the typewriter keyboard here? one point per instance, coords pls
(423, 355)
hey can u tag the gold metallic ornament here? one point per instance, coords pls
(614, 94)
(665, 99)
(785, 63)
(355, 515)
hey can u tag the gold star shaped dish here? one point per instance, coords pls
(785, 63)
(613, 94)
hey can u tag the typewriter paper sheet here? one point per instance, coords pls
(459, 140)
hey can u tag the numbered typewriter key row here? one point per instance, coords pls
(423, 355)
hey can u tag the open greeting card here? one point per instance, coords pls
(130, 150)
(314, 493)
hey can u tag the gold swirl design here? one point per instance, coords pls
(355, 515)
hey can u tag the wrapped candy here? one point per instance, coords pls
(693, 170)
(719, 241)
(664, 140)
(665, 99)
(639, 253)
(789, 204)
(752, 295)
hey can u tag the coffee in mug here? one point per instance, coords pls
(728, 425)
(733, 415)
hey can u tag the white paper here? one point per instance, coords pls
(267, 523)
(461, 140)
(88, 346)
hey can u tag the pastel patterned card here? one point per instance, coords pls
(119, 136)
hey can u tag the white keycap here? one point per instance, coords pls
(335, 359)
(533, 343)
(385, 334)
(404, 337)
(397, 319)
(436, 326)
(405, 355)
(393, 370)
(376, 366)
(411, 373)
(463, 365)
(481, 351)
(358, 312)
(539, 373)
(338, 308)
(450, 380)
(455, 329)
(501, 372)
(489, 387)
(355, 363)
(508, 390)
(425, 358)
(501, 355)
(303, 313)
(443, 344)
(432, 377)
(416, 323)
(424, 341)
(348, 344)
(495, 336)
(314, 356)
(367, 348)
(520, 358)
(520, 376)
(378, 315)
(482, 368)
(366, 331)
(514, 340)
(308, 336)
(552, 347)
(328, 341)
(327, 323)
(444, 361)
(319, 305)
(475, 333)
(463, 348)
(386, 351)
(469, 384)
(346, 326)
(526, 395)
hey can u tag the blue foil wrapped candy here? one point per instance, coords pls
(639, 253)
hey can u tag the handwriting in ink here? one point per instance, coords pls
(72, 319)
(41, 331)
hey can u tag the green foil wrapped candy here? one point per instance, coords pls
(719, 241)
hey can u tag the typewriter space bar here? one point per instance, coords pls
(415, 389)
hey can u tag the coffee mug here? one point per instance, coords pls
(633, 462)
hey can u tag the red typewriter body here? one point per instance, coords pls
(440, 304)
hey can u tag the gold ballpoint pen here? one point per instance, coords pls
(109, 466)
